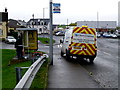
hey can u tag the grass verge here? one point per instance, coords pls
(41, 78)
(8, 70)
(45, 40)
(0, 68)
(9, 73)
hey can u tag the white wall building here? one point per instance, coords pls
(98, 24)
(42, 25)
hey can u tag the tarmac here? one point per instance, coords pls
(65, 74)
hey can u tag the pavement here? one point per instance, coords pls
(71, 74)
(65, 74)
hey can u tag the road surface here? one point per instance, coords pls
(80, 74)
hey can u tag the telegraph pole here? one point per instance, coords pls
(97, 21)
(43, 12)
(51, 35)
(67, 23)
(33, 20)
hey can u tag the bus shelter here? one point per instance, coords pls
(29, 38)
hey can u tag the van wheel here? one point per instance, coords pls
(67, 55)
(62, 53)
(91, 59)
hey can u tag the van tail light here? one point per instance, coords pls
(69, 47)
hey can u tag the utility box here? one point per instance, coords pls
(29, 38)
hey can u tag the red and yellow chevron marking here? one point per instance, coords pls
(90, 48)
(84, 30)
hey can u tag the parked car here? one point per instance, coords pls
(106, 35)
(60, 33)
(113, 35)
(10, 39)
(118, 36)
(98, 35)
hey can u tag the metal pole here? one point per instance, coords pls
(18, 74)
(97, 21)
(43, 20)
(33, 20)
(67, 23)
(43, 12)
(51, 35)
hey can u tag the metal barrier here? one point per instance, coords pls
(27, 79)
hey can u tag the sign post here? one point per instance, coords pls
(51, 35)
(54, 8)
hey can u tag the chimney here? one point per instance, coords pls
(5, 9)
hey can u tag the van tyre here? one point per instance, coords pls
(67, 55)
(62, 54)
(91, 59)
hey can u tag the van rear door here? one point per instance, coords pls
(83, 41)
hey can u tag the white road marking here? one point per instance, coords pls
(104, 52)
(107, 53)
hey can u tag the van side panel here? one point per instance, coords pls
(83, 41)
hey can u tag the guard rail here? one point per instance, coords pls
(28, 77)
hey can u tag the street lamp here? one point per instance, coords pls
(51, 35)
(44, 12)
(67, 23)
(107, 28)
(33, 20)
(43, 20)
(97, 21)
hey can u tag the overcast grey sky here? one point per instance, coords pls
(73, 10)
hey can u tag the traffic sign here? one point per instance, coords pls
(56, 7)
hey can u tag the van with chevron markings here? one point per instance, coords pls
(80, 42)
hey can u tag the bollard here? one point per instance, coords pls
(33, 60)
(18, 74)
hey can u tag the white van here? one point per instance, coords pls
(80, 42)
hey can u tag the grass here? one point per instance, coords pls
(45, 40)
(9, 73)
(0, 69)
(40, 80)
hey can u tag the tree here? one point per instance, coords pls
(73, 24)
(118, 28)
(62, 26)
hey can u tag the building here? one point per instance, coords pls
(13, 24)
(119, 13)
(22, 23)
(3, 24)
(42, 25)
(99, 25)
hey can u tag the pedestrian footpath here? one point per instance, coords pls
(65, 74)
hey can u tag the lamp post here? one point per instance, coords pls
(97, 21)
(33, 20)
(51, 35)
(67, 23)
(43, 20)
(107, 28)
(44, 12)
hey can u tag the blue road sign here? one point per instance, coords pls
(56, 7)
